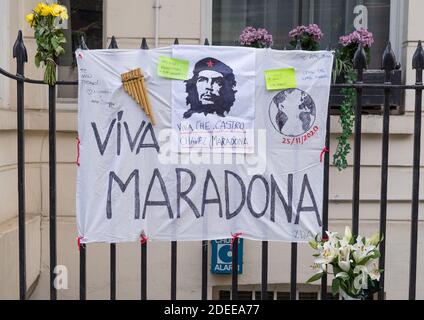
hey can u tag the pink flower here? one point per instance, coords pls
(312, 30)
(360, 36)
(250, 36)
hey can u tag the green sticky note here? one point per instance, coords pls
(172, 68)
(280, 79)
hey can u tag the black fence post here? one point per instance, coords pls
(418, 65)
(82, 248)
(143, 246)
(113, 45)
(388, 65)
(205, 250)
(52, 188)
(264, 275)
(293, 271)
(83, 280)
(234, 268)
(359, 63)
(20, 54)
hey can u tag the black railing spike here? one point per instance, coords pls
(176, 41)
(83, 45)
(113, 44)
(206, 42)
(360, 59)
(298, 44)
(144, 45)
(418, 58)
(19, 50)
(388, 62)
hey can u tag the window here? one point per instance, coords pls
(85, 19)
(281, 295)
(224, 295)
(334, 17)
(258, 295)
(277, 292)
(308, 295)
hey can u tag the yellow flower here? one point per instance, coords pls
(58, 10)
(55, 9)
(30, 19)
(43, 9)
(38, 7)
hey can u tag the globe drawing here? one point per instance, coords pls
(292, 112)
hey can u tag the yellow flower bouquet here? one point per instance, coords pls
(48, 36)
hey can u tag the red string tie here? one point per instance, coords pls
(78, 151)
(234, 237)
(143, 239)
(325, 149)
(79, 242)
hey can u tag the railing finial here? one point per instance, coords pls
(418, 58)
(19, 51)
(206, 42)
(176, 41)
(83, 45)
(388, 62)
(144, 45)
(113, 44)
(360, 59)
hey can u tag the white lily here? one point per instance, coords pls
(329, 252)
(348, 234)
(374, 240)
(373, 271)
(361, 250)
(343, 259)
(333, 237)
(361, 280)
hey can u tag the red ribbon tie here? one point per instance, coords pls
(143, 239)
(234, 237)
(79, 242)
(325, 149)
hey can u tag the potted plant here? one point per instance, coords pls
(342, 101)
(256, 38)
(308, 36)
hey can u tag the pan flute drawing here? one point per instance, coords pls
(134, 85)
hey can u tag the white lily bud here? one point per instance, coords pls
(375, 239)
(348, 233)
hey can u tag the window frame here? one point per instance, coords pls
(397, 27)
(71, 104)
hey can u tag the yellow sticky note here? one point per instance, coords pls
(172, 68)
(280, 79)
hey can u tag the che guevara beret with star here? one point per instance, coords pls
(213, 65)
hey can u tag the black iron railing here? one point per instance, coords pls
(388, 65)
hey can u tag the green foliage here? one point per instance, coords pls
(315, 277)
(343, 70)
(307, 43)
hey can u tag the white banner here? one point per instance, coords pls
(132, 182)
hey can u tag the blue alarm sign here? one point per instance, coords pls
(222, 256)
